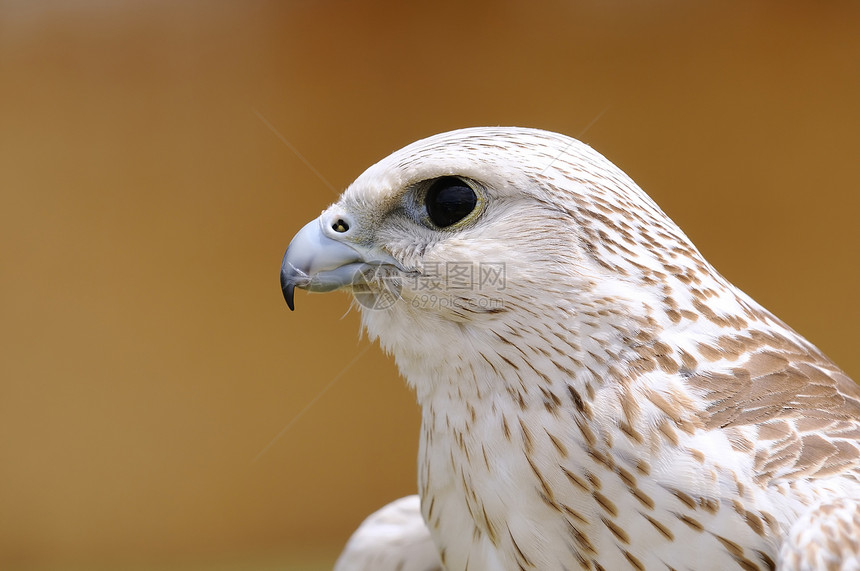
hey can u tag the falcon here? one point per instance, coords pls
(594, 394)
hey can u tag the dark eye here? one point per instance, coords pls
(449, 200)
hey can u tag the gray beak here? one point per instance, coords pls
(316, 262)
(320, 259)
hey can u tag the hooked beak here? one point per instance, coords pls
(318, 262)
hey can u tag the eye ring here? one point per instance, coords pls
(449, 200)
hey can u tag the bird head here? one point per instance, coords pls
(465, 237)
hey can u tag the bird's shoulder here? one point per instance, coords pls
(788, 403)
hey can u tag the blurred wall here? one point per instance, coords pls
(154, 163)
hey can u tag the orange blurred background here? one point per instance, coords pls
(153, 169)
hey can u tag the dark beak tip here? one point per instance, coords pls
(289, 289)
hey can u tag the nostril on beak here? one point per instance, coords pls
(340, 225)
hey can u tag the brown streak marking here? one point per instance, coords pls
(641, 366)
(626, 477)
(552, 396)
(605, 503)
(472, 414)
(619, 533)
(740, 443)
(668, 364)
(601, 458)
(645, 335)
(576, 480)
(765, 558)
(708, 352)
(491, 530)
(686, 499)
(733, 548)
(645, 351)
(509, 362)
(663, 348)
(597, 358)
(581, 539)
(490, 363)
(630, 433)
(669, 432)
(709, 313)
(634, 562)
(589, 390)
(587, 434)
(664, 531)
(550, 498)
(593, 480)
(519, 551)
(688, 360)
(754, 522)
(562, 449)
(710, 505)
(670, 409)
(573, 513)
(631, 409)
(747, 565)
(692, 523)
(643, 498)
(770, 521)
(527, 438)
(577, 399)
(732, 347)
